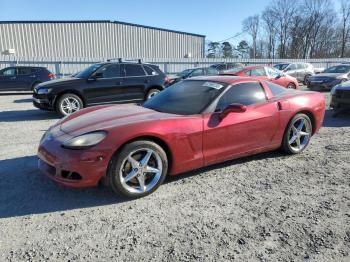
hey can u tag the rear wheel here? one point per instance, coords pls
(68, 104)
(306, 80)
(138, 170)
(297, 134)
(291, 86)
(152, 92)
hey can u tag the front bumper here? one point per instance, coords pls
(43, 102)
(72, 168)
(322, 85)
(341, 99)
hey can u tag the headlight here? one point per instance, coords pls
(86, 140)
(334, 89)
(43, 91)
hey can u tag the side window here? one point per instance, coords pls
(109, 71)
(260, 71)
(133, 70)
(244, 93)
(291, 67)
(301, 66)
(150, 71)
(272, 72)
(197, 72)
(9, 72)
(23, 71)
(211, 71)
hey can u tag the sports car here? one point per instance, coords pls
(194, 123)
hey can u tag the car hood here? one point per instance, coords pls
(62, 81)
(326, 75)
(107, 117)
(343, 86)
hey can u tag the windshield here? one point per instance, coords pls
(281, 66)
(337, 69)
(233, 70)
(185, 73)
(188, 97)
(88, 71)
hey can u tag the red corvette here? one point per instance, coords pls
(194, 123)
(268, 74)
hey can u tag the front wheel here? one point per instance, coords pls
(68, 104)
(306, 80)
(297, 134)
(138, 169)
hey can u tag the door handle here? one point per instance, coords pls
(119, 83)
(32, 76)
(13, 77)
(146, 81)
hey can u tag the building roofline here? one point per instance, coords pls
(95, 21)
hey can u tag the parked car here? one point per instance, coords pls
(192, 72)
(266, 73)
(300, 71)
(23, 78)
(222, 67)
(194, 123)
(330, 77)
(340, 98)
(102, 83)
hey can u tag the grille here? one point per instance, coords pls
(343, 94)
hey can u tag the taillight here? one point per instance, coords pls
(52, 76)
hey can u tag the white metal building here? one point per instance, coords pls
(96, 39)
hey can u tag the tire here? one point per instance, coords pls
(305, 81)
(293, 134)
(121, 167)
(291, 86)
(151, 93)
(68, 104)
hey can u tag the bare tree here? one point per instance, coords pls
(270, 29)
(251, 26)
(345, 24)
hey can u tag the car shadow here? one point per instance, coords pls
(25, 100)
(341, 120)
(271, 154)
(24, 191)
(26, 115)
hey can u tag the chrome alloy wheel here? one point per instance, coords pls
(299, 134)
(141, 170)
(70, 105)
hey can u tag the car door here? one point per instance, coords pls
(25, 78)
(134, 83)
(240, 133)
(258, 72)
(276, 77)
(104, 86)
(291, 70)
(8, 79)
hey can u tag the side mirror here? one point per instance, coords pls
(237, 108)
(94, 77)
(278, 76)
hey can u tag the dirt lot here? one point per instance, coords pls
(269, 207)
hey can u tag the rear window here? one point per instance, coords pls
(150, 71)
(24, 71)
(134, 70)
(276, 90)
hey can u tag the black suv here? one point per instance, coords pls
(103, 83)
(23, 78)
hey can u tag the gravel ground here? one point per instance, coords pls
(268, 207)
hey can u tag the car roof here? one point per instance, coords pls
(224, 79)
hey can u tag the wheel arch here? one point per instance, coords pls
(310, 115)
(70, 91)
(151, 138)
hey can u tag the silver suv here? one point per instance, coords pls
(301, 71)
